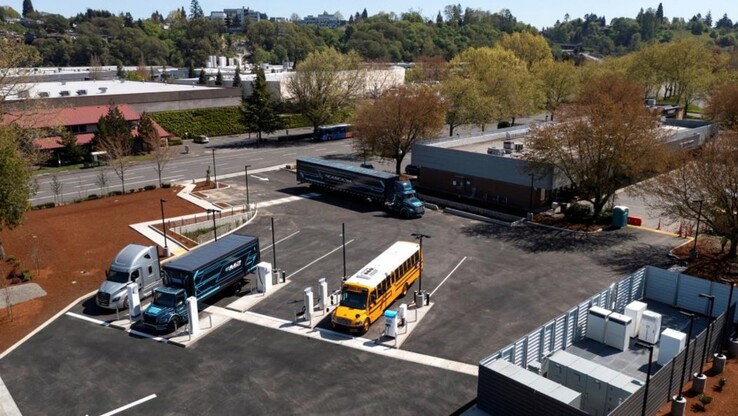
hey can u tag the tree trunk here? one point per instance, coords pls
(733, 246)
(513, 122)
(159, 172)
(122, 184)
(450, 130)
(398, 163)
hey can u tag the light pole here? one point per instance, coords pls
(680, 398)
(215, 228)
(246, 170)
(420, 236)
(215, 173)
(728, 319)
(343, 236)
(693, 253)
(711, 302)
(648, 375)
(164, 227)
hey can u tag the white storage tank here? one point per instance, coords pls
(635, 310)
(596, 322)
(672, 343)
(650, 327)
(618, 330)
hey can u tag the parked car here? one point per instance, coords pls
(201, 139)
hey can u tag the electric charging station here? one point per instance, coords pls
(390, 323)
(263, 277)
(134, 302)
(193, 316)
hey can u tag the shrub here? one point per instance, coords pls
(26, 276)
(206, 121)
(173, 141)
(44, 206)
(705, 399)
(149, 187)
(577, 212)
(503, 124)
(92, 196)
(166, 185)
(116, 193)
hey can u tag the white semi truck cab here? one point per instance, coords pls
(135, 263)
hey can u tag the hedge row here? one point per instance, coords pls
(221, 121)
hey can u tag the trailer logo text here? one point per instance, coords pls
(233, 266)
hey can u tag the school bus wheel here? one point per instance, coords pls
(365, 327)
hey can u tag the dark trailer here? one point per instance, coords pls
(211, 268)
(370, 183)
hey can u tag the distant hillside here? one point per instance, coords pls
(9, 12)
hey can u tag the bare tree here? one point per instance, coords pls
(57, 187)
(150, 137)
(101, 179)
(114, 137)
(95, 67)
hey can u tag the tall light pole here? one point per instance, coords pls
(215, 228)
(215, 173)
(343, 236)
(246, 170)
(711, 302)
(648, 375)
(164, 227)
(680, 400)
(693, 253)
(420, 236)
(274, 248)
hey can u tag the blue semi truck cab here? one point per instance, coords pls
(394, 193)
(202, 273)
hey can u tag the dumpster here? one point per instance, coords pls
(620, 216)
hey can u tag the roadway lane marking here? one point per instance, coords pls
(319, 259)
(279, 241)
(128, 406)
(107, 325)
(265, 204)
(449, 275)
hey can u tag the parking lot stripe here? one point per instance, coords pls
(449, 275)
(107, 324)
(128, 406)
(279, 241)
(87, 318)
(319, 259)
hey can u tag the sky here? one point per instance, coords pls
(539, 13)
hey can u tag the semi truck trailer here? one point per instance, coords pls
(395, 194)
(134, 263)
(202, 273)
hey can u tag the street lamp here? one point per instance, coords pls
(246, 171)
(164, 227)
(215, 229)
(215, 173)
(680, 398)
(693, 253)
(648, 375)
(420, 236)
(711, 302)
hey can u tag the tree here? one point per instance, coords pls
(202, 79)
(114, 137)
(72, 152)
(399, 118)
(364, 14)
(709, 175)
(27, 8)
(461, 96)
(149, 135)
(95, 68)
(15, 181)
(237, 77)
(722, 105)
(594, 143)
(219, 78)
(195, 10)
(531, 49)
(325, 85)
(260, 114)
(190, 70)
(559, 83)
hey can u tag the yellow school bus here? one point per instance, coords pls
(371, 290)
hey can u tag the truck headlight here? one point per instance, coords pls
(117, 298)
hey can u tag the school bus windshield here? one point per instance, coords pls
(354, 300)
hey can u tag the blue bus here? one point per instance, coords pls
(334, 132)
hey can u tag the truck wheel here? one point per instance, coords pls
(174, 324)
(125, 302)
(237, 287)
(365, 327)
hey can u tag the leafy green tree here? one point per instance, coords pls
(326, 85)
(219, 78)
(237, 76)
(259, 110)
(195, 10)
(114, 137)
(202, 80)
(559, 83)
(72, 152)
(15, 181)
(399, 118)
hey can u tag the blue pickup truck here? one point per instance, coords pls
(202, 273)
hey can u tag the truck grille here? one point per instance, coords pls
(149, 319)
(343, 321)
(103, 299)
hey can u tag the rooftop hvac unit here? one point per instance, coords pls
(103, 90)
(43, 94)
(519, 147)
(64, 93)
(635, 310)
(650, 327)
(596, 322)
(81, 92)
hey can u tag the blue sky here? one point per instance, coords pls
(539, 13)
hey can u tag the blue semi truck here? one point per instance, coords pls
(395, 194)
(202, 273)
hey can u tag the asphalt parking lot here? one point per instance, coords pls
(491, 285)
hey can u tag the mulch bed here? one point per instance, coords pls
(561, 222)
(711, 263)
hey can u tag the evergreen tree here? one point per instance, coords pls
(191, 70)
(203, 79)
(259, 111)
(195, 10)
(237, 77)
(27, 8)
(660, 14)
(351, 19)
(364, 15)
(708, 19)
(219, 78)
(439, 18)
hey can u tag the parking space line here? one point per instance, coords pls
(449, 275)
(279, 241)
(319, 258)
(128, 406)
(107, 325)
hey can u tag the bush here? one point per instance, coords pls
(503, 124)
(115, 193)
(26, 276)
(293, 121)
(577, 212)
(175, 142)
(44, 206)
(92, 196)
(206, 121)
(149, 187)
(166, 185)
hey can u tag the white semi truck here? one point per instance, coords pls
(135, 263)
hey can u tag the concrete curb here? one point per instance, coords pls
(477, 217)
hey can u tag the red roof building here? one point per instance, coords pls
(80, 121)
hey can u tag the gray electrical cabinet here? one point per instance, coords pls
(578, 375)
(620, 389)
(598, 384)
(558, 366)
(618, 330)
(536, 382)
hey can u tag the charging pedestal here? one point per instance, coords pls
(309, 304)
(390, 323)
(263, 277)
(134, 303)
(323, 291)
(193, 315)
(402, 314)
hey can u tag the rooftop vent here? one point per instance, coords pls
(103, 90)
(81, 92)
(43, 94)
(64, 93)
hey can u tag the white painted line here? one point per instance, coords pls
(449, 275)
(319, 259)
(128, 406)
(106, 324)
(87, 318)
(279, 241)
(289, 154)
